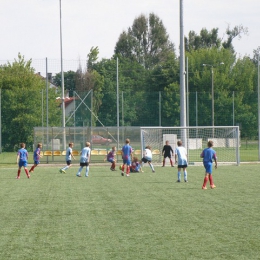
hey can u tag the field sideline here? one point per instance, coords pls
(144, 216)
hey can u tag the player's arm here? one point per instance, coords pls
(17, 158)
(216, 162)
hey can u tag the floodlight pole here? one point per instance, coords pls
(182, 78)
(258, 88)
(62, 86)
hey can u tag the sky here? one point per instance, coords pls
(32, 27)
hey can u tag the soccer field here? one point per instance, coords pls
(144, 216)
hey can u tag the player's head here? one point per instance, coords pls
(148, 147)
(113, 148)
(71, 144)
(127, 141)
(39, 145)
(167, 142)
(22, 145)
(179, 143)
(210, 143)
(87, 144)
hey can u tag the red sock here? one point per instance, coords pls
(127, 169)
(32, 168)
(171, 161)
(18, 173)
(113, 165)
(123, 168)
(205, 181)
(27, 172)
(164, 162)
(211, 180)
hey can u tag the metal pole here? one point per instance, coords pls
(62, 86)
(182, 79)
(117, 103)
(47, 106)
(212, 94)
(258, 87)
(182, 73)
(233, 108)
(187, 83)
(0, 120)
(160, 109)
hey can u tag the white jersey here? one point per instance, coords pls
(85, 155)
(180, 151)
(148, 154)
(68, 154)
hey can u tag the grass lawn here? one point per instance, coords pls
(144, 216)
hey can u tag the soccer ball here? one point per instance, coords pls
(120, 167)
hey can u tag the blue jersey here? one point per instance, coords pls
(23, 154)
(36, 154)
(208, 155)
(127, 151)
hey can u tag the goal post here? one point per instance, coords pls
(226, 141)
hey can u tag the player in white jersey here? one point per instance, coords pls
(68, 158)
(147, 157)
(181, 153)
(84, 160)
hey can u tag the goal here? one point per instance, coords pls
(226, 141)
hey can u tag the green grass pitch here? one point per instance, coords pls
(144, 216)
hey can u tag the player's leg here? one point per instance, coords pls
(164, 157)
(151, 165)
(185, 174)
(170, 158)
(128, 163)
(208, 168)
(179, 174)
(87, 170)
(79, 170)
(19, 171)
(63, 170)
(212, 186)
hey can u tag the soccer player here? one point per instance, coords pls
(22, 158)
(126, 156)
(68, 158)
(36, 156)
(167, 152)
(136, 166)
(208, 156)
(110, 157)
(147, 157)
(181, 159)
(84, 160)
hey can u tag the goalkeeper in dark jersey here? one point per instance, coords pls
(167, 152)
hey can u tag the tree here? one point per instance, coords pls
(146, 42)
(69, 81)
(210, 39)
(21, 103)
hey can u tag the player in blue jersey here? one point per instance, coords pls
(22, 158)
(208, 156)
(84, 160)
(36, 156)
(68, 158)
(127, 157)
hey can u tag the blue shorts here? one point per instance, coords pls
(127, 161)
(36, 162)
(111, 160)
(208, 167)
(22, 164)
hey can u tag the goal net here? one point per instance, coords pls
(225, 138)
